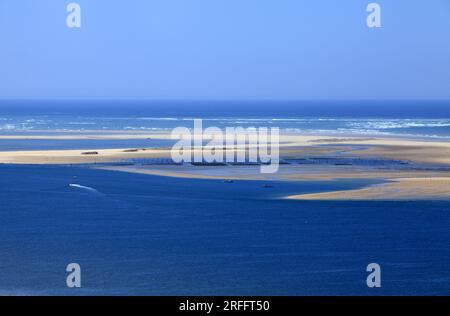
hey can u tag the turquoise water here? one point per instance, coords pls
(139, 234)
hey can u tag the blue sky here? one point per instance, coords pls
(225, 49)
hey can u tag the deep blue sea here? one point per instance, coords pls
(139, 234)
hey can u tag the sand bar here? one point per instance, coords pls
(402, 184)
(427, 188)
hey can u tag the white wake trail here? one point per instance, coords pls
(73, 185)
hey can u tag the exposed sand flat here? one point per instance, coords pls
(199, 172)
(436, 152)
(76, 156)
(79, 156)
(285, 172)
(428, 153)
(427, 188)
(290, 139)
(291, 146)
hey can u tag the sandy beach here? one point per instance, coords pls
(426, 188)
(78, 156)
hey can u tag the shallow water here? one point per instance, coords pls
(141, 234)
(68, 144)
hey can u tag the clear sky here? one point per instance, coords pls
(225, 49)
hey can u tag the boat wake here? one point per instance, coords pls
(78, 186)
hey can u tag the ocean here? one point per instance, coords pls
(149, 235)
(415, 119)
